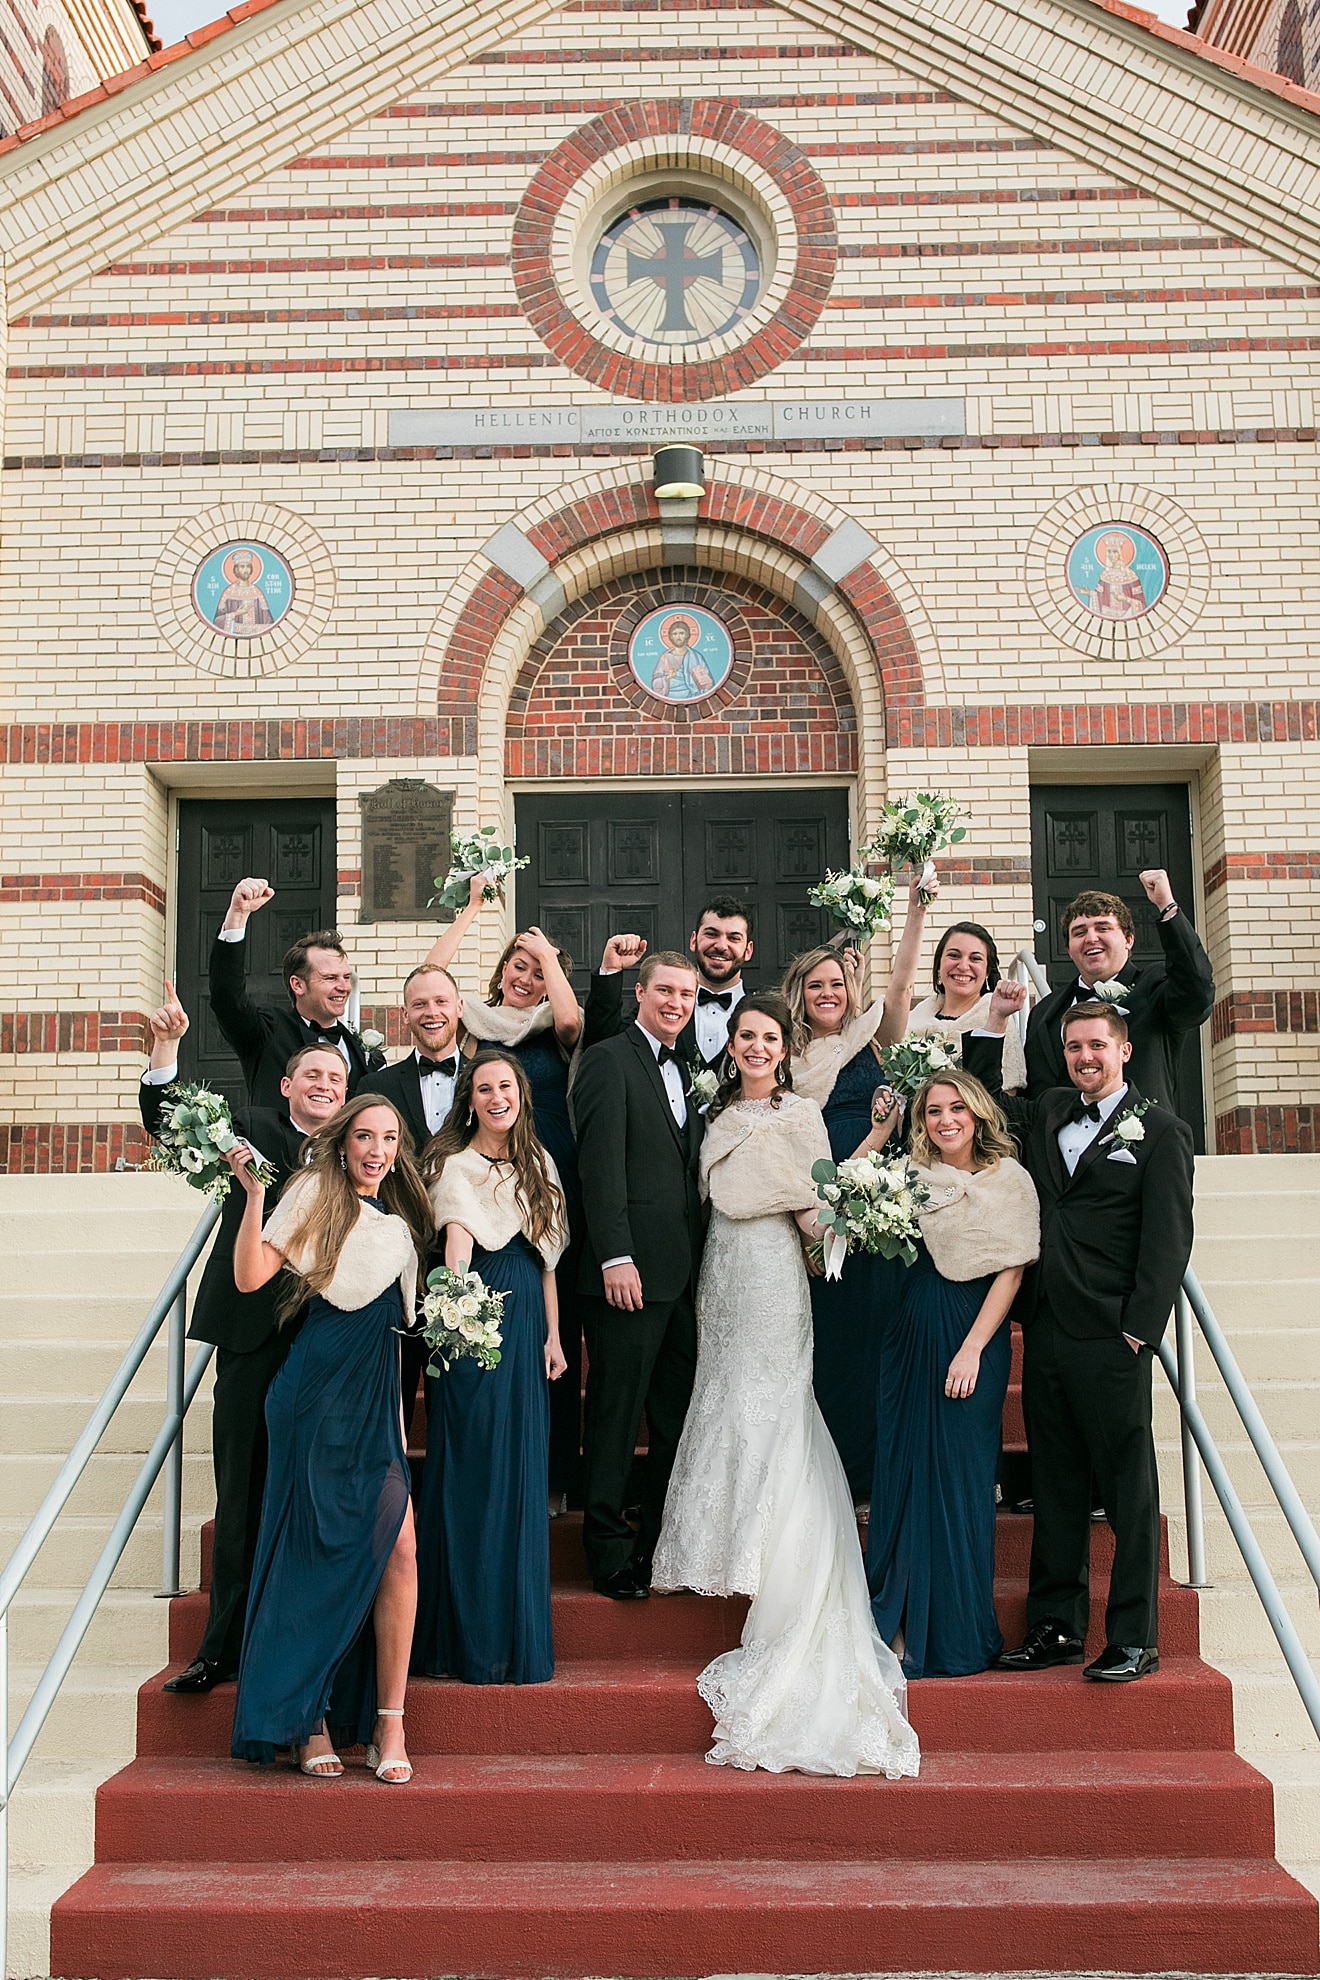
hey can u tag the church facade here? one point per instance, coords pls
(340, 341)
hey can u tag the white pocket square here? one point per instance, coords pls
(1121, 1155)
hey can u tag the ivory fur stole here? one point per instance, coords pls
(756, 1159)
(377, 1251)
(924, 1019)
(980, 1221)
(482, 1197)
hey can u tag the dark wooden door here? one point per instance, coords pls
(291, 843)
(647, 861)
(1103, 836)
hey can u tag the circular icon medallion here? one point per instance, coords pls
(680, 653)
(674, 271)
(242, 590)
(1117, 571)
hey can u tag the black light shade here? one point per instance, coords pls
(679, 474)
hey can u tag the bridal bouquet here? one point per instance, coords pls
(909, 1064)
(870, 1204)
(860, 900)
(913, 829)
(195, 1134)
(462, 1318)
(471, 853)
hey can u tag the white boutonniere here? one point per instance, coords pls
(1126, 1132)
(371, 1041)
(1109, 990)
(705, 1085)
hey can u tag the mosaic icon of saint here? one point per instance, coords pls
(680, 673)
(1118, 592)
(242, 611)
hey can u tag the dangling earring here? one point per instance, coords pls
(472, 1115)
(781, 1073)
(342, 1162)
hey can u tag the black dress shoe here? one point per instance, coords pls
(1120, 1663)
(621, 1586)
(201, 1676)
(1047, 1644)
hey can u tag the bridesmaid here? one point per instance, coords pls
(334, 1584)
(531, 1011)
(483, 1611)
(930, 1550)
(965, 972)
(838, 1067)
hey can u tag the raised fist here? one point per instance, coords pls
(1158, 891)
(1008, 997)
(623, 952)
(247, 897)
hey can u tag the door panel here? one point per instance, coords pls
(1104, 836)
(647, 861)
(292, 843)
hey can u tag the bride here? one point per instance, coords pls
(758, 1503)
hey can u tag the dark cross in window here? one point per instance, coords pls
(673, 268)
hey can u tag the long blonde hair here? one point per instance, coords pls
(991, 1141)
(535, 1194)
(331, 1206)
(795, 984)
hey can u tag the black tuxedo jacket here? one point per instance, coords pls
(638, 1170)
(401, 1084)
(1115, 1237)
(604, 1018)
(237, 1321)
(1167, 1001)
(265, 1038)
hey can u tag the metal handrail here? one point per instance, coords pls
(1025, 967)
(1181, 1371)
(166, 1454)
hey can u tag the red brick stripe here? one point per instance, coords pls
(688, 755)
(616, 58)
(987, 872)
(594, 106)
(320, 264)
(1040, 348)
(81, 887)
(420, 210)
(1278, 1011)
(74, 1031)
(409, 161)
(135, 320)
(1262, 866)
(1040, 244)
(40, 1148)
(296, 367)
(1286, 1130)
(1067, 298)
(314, 740)
(1084, 725)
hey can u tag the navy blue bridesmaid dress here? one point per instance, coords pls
(483, 1539)
(337, 1491)
(547, 1075)
(930, 1546)
(849, 1314)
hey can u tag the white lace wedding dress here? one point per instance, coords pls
(758, 1503)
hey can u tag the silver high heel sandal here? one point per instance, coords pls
(394, 1773)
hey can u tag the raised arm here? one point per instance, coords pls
(235, 1013)
(559, 991)
(447, 944)
(983, 1053)
(1185, 999)
(168, 1024)
(898, 996)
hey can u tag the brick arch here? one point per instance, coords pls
(630, 506)
(576, 710)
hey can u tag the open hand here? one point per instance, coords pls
(1158, 891)
(169, 1021)
(247, 897)
(623, 952)
(537, 943)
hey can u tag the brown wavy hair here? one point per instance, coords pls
(991, 1141)
(765, 1003)
(332, 1208)
(540, 1201)
(494, 990)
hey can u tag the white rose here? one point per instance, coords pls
(871, 888)
(1130, 1129)
(372, 1040)
(1110, 990)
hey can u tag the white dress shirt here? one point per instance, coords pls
(437, 1094)
(672, 1075)
(712, 1023)
(1075, 1137)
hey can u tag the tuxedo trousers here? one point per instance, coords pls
(643, 1361)
(238, 1456)
(1087, 1405)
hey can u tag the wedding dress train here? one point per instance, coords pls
(758, 1504)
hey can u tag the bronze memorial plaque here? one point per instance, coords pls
(405, 844)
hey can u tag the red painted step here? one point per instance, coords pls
(659, 1806)
(536, 1918)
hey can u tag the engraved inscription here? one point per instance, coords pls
(405, 845)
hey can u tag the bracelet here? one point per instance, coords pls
(1167, 914)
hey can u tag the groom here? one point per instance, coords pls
(638, 1131)
(1114, 1175)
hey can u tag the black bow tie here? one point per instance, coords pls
(667, 1056)
(1085, 1110)
(425, 1067)
(724, 998)
(326, 1034)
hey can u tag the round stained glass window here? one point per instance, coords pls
(675, 271)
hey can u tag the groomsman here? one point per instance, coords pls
(1161, 1004)
(722, 944)
(638, 1137)
(319, 981)
(250, 1345)
(1113, 1170)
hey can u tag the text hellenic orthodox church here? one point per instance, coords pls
(340, 341)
